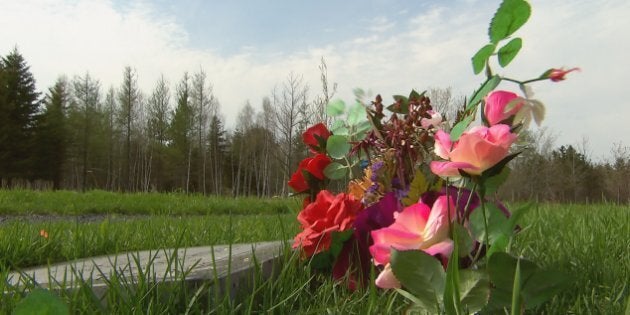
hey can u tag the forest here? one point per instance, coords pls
(78, 135)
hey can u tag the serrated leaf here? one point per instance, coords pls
(335, 108)
(337, 146)
(474, 290)
(460, 127)
(335, 170)
(41, 301)
(480, 59)
(510, 16)
(483, 90)
(421, 274)
(509, 51)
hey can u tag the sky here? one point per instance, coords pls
(388, 47)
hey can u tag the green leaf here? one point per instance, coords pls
(415, 96)
(517, 301)
(498, 168)
(538, 285)
(452, 302)
(401, 106)
(517, 214)
(464, 240)
(364, 126)
(497, 223)
(335, 108)
(509, 51)
(493, 183)
(41, 302)
(501, 268)
(543, 285)
(499, 245)
(421, 274)
(335, 170)
(474, 290)
(341, 131)
(510, 16)
(481, 93)
(337, 146)
(480, 59)
(356, 114)
(337, 240)
(460, 127)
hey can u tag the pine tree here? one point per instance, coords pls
(217, 149)
(52, 134)
(181, 133)
(19, 106)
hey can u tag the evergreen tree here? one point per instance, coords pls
(181, 133)
(217, 149)
(19, 106)
(159, 118)
(52, 134)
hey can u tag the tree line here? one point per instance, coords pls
(78, 136)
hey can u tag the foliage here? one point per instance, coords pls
(447, 249)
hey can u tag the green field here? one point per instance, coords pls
(589, 242)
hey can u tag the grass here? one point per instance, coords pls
(29, 202)
(589, 242)
(21, 244)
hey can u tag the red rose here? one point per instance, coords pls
(556, 75)
(327, 214)
(315, 137)
(314, 166)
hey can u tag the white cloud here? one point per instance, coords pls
(430, 49)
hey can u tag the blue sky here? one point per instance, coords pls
(388, 47)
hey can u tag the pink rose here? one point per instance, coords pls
(435, 121)
(476, 150)
(417, 227)
(501, 106)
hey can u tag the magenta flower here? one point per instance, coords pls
(476, 150)
(417, 227)
(500, 106)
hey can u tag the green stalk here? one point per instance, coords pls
(516, 290)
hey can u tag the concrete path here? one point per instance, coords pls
(157, 266)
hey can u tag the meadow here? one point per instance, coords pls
(589, 242)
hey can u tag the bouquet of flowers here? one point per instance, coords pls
(420, 209)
